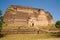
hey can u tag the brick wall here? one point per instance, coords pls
(21, 31)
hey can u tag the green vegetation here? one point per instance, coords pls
(57, 24)
(1, 20)
(26, 37)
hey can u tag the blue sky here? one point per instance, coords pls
(53, 6)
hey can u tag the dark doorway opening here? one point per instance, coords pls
(32, 24)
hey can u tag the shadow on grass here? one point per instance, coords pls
(56, 34)
(1, 35)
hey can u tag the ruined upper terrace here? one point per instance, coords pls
(23, 8)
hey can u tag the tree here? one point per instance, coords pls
(1, 17)
(57, 24)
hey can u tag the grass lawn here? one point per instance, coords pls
(28, 37)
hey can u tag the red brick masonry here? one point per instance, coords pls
(22, 31)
